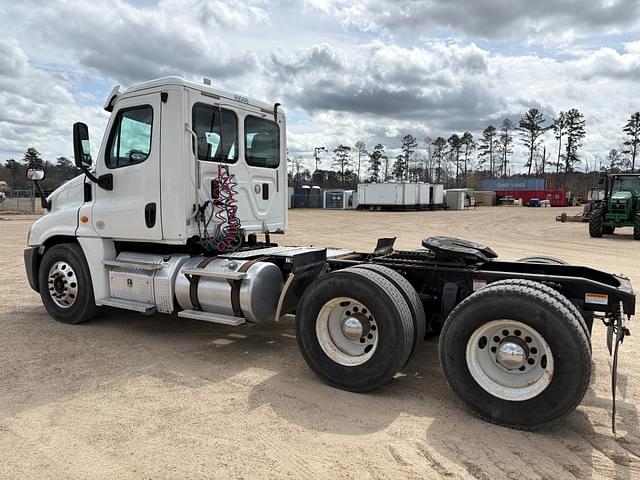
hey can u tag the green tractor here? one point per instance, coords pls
(620, 206)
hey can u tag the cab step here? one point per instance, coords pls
(212, 317)
(141, 307)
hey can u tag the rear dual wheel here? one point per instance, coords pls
(516, 355)
(355, 329)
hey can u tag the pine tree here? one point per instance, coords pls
(559, 130)
(632, 129)
(506, 142)
(575, 133)
(487, 147)
(409, 145)
(341, 160)
(531, 130)
(469, 145)
(375, 161)
(400, 168)
(361, 149)
(32, 158)
(455, 147)
(440, 145)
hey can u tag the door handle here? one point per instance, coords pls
(150, 214)
(265, 191)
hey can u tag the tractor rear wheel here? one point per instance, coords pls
(636, 227)
(596, 229)
(354, 329)
(516, 355)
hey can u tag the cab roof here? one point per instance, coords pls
(179, 81)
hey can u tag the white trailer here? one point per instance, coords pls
(177, 213)
(392, 196)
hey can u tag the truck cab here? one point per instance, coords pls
(157, 170)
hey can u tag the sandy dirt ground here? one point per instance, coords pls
(128, 396)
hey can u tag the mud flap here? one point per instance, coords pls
(616, 331)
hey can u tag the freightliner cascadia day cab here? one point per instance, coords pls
(177, 214)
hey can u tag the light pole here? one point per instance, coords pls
(316, 151)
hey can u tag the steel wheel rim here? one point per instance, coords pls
(347, 331)
(510, 360)
(62, 284)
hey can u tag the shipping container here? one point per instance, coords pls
(511, 184)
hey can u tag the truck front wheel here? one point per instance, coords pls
(516, 355)
(66, 288)
(636, 227)
(354, 329)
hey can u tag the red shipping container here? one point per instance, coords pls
(557, 198)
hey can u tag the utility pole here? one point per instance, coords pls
(316, 151)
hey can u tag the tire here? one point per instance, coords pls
(586, 318)
(544, 259)
(66, 287)
(595, 223)
(585, 315)
(387, 311)
(411, 297)
(563, 217)
(608, 229)
(556, 381)
(636, 227)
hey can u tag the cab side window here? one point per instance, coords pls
(262, 142)
(217, 132)
(130, 138)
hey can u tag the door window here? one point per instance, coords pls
(262, 142)
(217, 133)
(130, 139)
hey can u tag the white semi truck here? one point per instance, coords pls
(177, 214)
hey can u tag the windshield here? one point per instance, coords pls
(626, 184)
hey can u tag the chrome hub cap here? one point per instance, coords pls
(347, 331)
(512, 354)
(62, 284)
(510, 360)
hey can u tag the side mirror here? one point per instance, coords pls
(81, 150)
(601, 181)
(35, 174)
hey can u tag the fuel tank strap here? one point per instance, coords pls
(235, 287)
(195, 280)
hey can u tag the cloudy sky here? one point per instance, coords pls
(345, 70)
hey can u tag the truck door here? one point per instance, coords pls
(131, 153)
(250, 145)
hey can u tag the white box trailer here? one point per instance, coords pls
(378, 196)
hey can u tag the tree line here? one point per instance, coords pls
(13, 171)
(452, 160)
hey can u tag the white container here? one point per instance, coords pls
(424, 190)
(338, 199)
(456, 199)
(437, 194)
